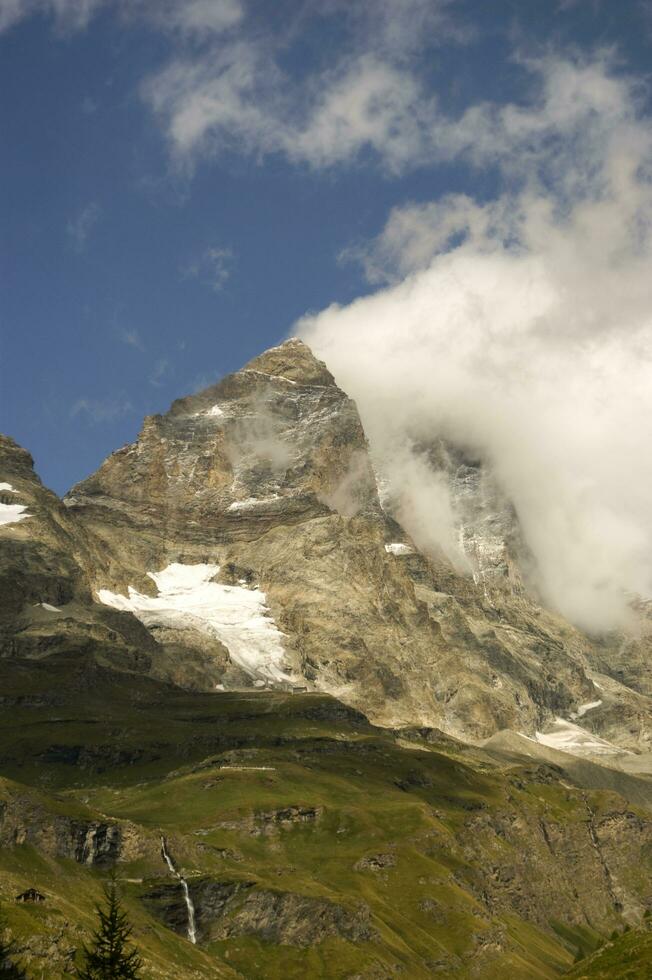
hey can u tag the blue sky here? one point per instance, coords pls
(181, 181)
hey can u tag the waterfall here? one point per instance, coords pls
(192, 931)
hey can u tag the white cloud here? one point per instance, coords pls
(212, 268)
(398, 28)
(236, 97)
(68, 14)
(98, 410)
(522, 329)
(80, 227)
(370, 98)
(12, 11)
(197, 18)
(368, 105)
(224, 88)
(215, 101)
(415, 233)
(375, 99)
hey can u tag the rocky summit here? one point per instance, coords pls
(229, 673)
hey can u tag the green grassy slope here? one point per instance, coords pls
(314, 844)
(627, 957)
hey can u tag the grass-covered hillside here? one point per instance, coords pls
(625, 957)
(313, 844)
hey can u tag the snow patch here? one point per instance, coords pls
(398, 548)
(46, 605)
(214, 412)
(7, 486)
(235, 616)
(583, 708)
(251, 502)
(567, 737)
(13, 513)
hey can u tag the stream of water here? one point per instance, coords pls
(192, 930)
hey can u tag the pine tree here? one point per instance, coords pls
(9, 970)
(109, 957)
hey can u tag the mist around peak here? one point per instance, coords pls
(520, 328)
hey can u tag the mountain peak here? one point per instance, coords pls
(295, 361)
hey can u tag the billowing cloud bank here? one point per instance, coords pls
(522, 328)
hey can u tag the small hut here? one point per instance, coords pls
(31, 895)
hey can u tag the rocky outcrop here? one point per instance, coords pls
(26, 819)
(296, 920)
(41, 556)
(90, 841)
(227, 909)
(542, 864)
(46, 563)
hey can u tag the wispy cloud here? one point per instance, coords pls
(195, 18)
(159, 371)
(372, 97)
(235, 97)
(69, 15)
(190, 17)
(98, 410)
(212, 268)
(80, 227)
(227, 84)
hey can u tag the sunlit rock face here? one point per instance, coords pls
(257, 450)
(242, 541)
(266, 477)
(37, 537)
(47, 562)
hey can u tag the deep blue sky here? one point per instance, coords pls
(134, 270)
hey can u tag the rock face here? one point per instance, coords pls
(587, 852)
(46, 565)
(42, 554)
(226, 909)
(27, 820)
(241, 541)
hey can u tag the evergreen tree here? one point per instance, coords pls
(9, 970)
(110, 957)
